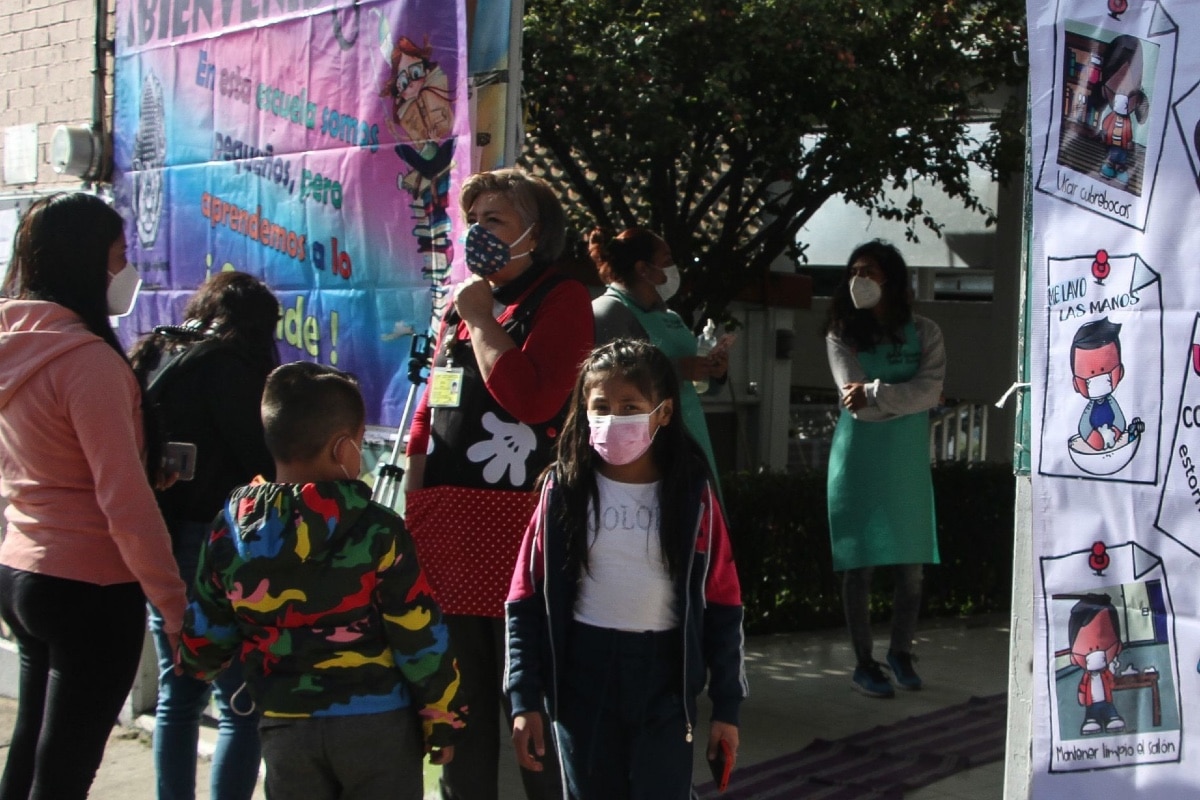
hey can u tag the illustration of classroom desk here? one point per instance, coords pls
(1142, 680)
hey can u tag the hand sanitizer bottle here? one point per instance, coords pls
(705, 342)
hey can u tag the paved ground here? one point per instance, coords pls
(800, 689)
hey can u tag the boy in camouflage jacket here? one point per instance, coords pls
(319, 592)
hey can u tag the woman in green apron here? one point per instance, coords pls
(641, 276)
(889, 366)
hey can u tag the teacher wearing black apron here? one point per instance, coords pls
(505, 362)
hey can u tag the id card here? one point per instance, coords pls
(445, 387)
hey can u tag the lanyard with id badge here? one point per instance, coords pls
(446, 382)
(445, 386)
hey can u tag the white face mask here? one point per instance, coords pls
(1096, 660)
(668, 289)
(1120, 105)
(864, 292)
(1100, 386)
(122, 290)
(357, 449)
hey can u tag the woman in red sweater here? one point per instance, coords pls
(507, 356)
(85, 545)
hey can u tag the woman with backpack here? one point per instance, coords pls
(204, 382)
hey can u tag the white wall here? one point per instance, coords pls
(47, 52)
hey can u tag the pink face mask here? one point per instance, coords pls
(621, 440)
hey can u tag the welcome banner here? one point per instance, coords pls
(1115, 360)
(317, 145)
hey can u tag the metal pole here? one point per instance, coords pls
(387, 487)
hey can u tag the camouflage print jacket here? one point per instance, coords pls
(320, 592)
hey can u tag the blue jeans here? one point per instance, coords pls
(182, 700)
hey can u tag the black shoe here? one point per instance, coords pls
(870, 680)
(901, 665)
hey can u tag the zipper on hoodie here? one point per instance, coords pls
(687, 600)
(545, 531)
(687, 607)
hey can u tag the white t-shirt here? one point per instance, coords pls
(628, 586)
(1096, 685)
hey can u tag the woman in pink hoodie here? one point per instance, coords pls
(85, 545)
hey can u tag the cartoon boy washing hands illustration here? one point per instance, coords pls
(1093, 630)
(1097, 370)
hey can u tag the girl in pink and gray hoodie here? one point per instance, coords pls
(85, 545)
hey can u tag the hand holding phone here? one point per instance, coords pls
(179, 458)
(722, 765)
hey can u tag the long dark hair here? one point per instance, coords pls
(231, 306)
(860, 327)
(678, 458)
(60, 254)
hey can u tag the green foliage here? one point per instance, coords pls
(779, 525)
(725, 124)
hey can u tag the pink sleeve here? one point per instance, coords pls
(722, 586)
(104, 404)
(534, 381)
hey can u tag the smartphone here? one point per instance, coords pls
(722, 765)
(179, 458)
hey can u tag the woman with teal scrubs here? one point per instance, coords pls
(889, 365)
(641, 276)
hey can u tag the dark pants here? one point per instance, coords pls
(621, 722)
(906, 608)
(478, 644)
(358, 757)
(80, 645)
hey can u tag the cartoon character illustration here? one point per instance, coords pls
(1120, 86)
(421, 118)
(1094, 633)
(511, 445)
(1097, 370)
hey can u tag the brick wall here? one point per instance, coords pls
(46, 61)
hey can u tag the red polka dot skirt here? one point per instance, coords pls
(467, 541)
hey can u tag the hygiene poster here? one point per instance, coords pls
(316, 144)
(1115, 355)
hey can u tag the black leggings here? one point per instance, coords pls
(80, 646)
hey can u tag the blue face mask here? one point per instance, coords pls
(487, 253)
